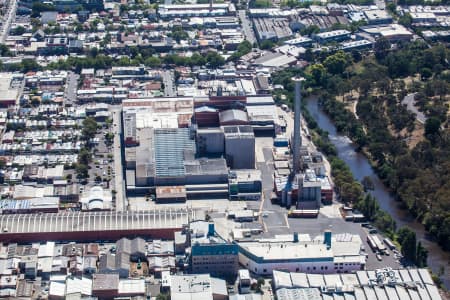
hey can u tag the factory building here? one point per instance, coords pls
(380, 284)
(96, 199)
(299, 253)
(309, 190)
(161, 151)
(210, 141)
(378, 16)
(197, 286)
(332, 36)
(239, 147)
(168, 11)
(209, 252)
(273, 29)
(245, 184)
(392, 32)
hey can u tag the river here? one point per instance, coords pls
(360, 167)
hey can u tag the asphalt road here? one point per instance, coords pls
(11, 14)
(71, 90)
(121, 199)
(247, 27)
(410, 105)
(168, 80)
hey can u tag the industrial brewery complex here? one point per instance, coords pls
(133, 165)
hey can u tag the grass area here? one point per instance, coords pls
(261, 3)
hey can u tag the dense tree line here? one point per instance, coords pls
(348, 189)
(101, 61)
(419, 176)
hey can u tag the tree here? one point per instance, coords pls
(260, 282)
(214, 59)
(267, 44)
(405, 20)
(19, 30)
(84, 157)
(179, 34)
(337, 62)
(28, 65)
(163, 296)
(310, 30)
(109, 137)
(426, 73)
(318, 73)
(39, 7)
(432, 126)
(385, 222)
(367, 183)
(421, 256)
(351, 192)
(381, 47)
(244, 47)
(89, 128)
(152, 62)
(407, 239)
(82, 171)
(4, 50)
(369, 207)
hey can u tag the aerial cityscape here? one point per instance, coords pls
(225, 149)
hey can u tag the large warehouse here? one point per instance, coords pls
(95, 226)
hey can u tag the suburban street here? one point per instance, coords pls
(168, 81)
(71, 90)
(121, 199)
(11, 14)
(247, 27)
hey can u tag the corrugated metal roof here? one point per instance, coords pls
(96, 221)
(171, 148)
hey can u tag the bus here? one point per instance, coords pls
(389, 243)
(378, 244)
(371, 243)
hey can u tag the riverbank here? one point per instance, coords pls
(360, 167)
